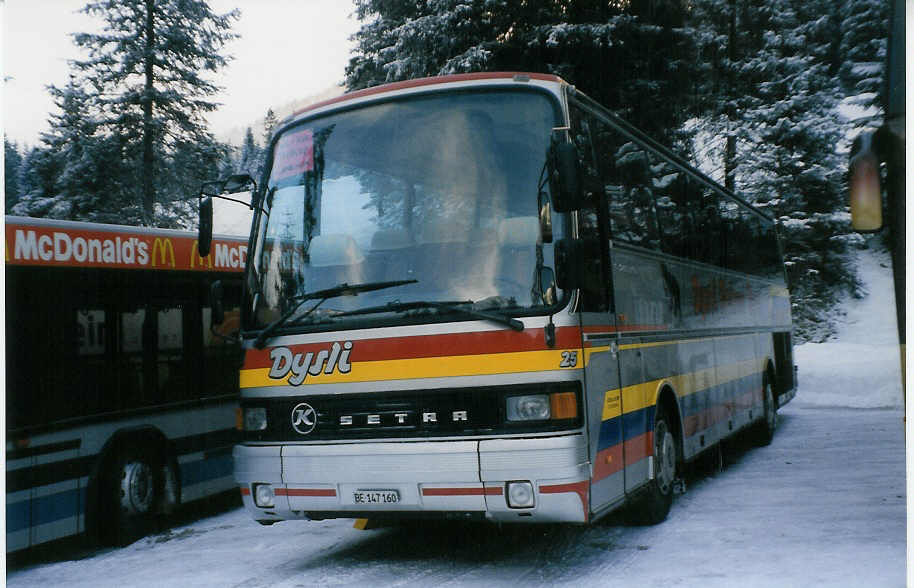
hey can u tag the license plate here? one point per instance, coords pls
(376, 497)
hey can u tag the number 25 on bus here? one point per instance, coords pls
(484, 296)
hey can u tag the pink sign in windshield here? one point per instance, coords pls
(294, 155)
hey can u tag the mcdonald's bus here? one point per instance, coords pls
(120, 399)
(485, 296)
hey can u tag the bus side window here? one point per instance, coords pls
(733, 252)
(670, 193)
(705, 239)
(632, 215)
(593, 287)
(220, 349)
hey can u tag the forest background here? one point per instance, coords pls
(763, 95)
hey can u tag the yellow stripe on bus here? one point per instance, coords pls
(425, 367)
(642, 395)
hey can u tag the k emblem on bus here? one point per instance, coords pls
(304, 418)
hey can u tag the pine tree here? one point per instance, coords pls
(787, 161)
(12, 162)
(633, 57)
(269, 125)
(145, 70)
(250, 160)
(862, 54)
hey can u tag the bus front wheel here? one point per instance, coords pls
(654, 502)
(134, 492)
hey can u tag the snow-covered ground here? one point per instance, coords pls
(823, 505)
(859, 369)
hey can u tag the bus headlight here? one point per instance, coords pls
(541, 407)
(532, 407)
(255, 418)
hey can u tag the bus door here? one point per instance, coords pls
(601, 374)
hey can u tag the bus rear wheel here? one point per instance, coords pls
(133, 496)
(653, 505)
(764, 430)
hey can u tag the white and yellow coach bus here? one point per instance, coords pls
(484, 296)
(120, 400)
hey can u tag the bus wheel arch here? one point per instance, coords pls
(135, 481)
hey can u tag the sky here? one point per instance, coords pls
(288, 50)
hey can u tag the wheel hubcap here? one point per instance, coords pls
(136, 488)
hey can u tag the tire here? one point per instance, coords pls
(653, 504)
(132, 496)
(763, 431)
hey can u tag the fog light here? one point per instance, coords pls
(263, 495)
(520, 495)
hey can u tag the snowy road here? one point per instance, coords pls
(823, 505)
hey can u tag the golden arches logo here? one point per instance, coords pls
(162, 249)
(196, 258)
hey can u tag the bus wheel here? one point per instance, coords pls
(134, 493)
(652, 506)
(763, 432)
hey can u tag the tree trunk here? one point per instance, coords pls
(148, 159)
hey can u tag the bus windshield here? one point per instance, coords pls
(440, 190)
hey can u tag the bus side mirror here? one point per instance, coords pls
(215, 301)
(565, 177)
(237, 183)
(865, 186)
(567, 260)
(205, 226)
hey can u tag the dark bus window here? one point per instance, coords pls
(594, 286)
(220, 347)
(630, 185)
(672, 213)
(705, 239)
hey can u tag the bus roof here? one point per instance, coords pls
(504, 76)
(45, 242)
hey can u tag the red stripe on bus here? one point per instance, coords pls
(419, 346)
(494, 491)
(613, 459)
(581, 488)
(305, 492)
(425, 82)
(609, 461)
(245, 491)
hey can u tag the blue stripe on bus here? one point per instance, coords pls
(633, 423)
(45, 509)
(637, 422)
(70, 503)
(203, 470)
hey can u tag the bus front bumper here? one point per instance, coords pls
(544, 479)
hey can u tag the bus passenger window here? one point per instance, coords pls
(671, 213)
(632, 216)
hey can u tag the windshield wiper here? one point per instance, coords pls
(457, 306)
(321, 296)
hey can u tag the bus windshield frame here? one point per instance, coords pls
(441, 189)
